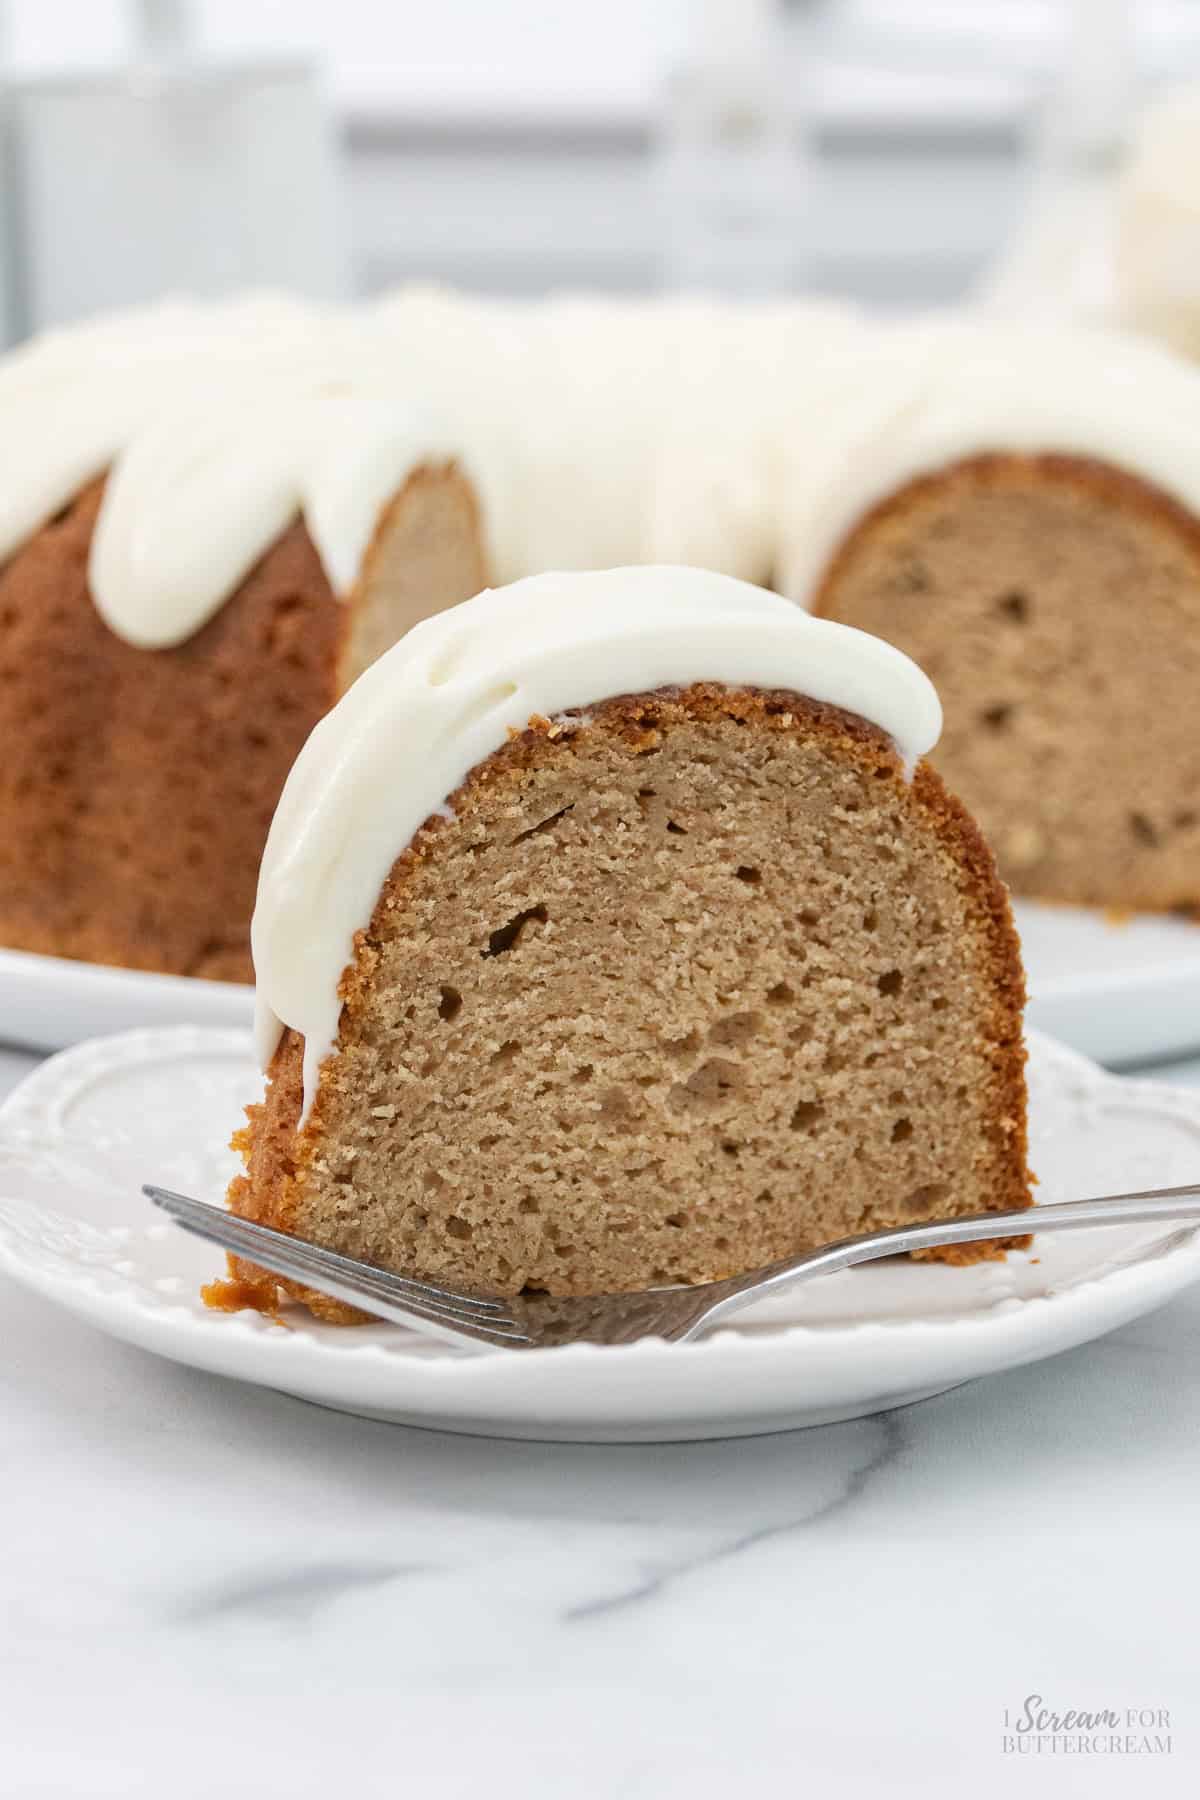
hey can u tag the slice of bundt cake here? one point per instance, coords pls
(1026, 525)
(611, 932)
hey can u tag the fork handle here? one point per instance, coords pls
(1153, 1206)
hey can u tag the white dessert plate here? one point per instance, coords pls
(1121, 993)
(81, 1134)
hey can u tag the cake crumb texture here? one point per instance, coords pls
(1055, 604)
(697, 984)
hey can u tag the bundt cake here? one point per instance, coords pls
(215, 516)
(611, 931)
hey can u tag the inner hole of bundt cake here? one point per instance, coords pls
(1054, 617)
(635, 1075)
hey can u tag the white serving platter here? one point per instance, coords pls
(50, 1002)
(1122, 991)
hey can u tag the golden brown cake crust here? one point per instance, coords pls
(137, 786)
(278, 1158)
(1054, 601)
(1110, 486)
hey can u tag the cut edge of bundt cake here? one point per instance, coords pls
(1055, 602)
(427, 553)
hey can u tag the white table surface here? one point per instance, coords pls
(211, 1588)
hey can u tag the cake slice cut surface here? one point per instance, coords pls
(1056, 602)
(669, 983)
(1018, 508)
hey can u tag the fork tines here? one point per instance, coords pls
(485, 1318)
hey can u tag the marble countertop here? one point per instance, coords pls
(208, 1587)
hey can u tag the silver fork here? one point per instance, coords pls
(531, 1322)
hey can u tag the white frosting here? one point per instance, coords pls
(597, 433)
(604, 432)
(408, 732)
(584, 425)
(196, 499)
(219, 425)
(1156, 253)
(930, 395)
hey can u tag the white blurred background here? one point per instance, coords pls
(899, 151)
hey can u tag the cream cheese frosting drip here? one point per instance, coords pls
(218, 425)
(309, 423)
(597, 433)
(604, 432)
(585, 425)
(196, 499)
(929, 395)
(73, 399)
(405, 736)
